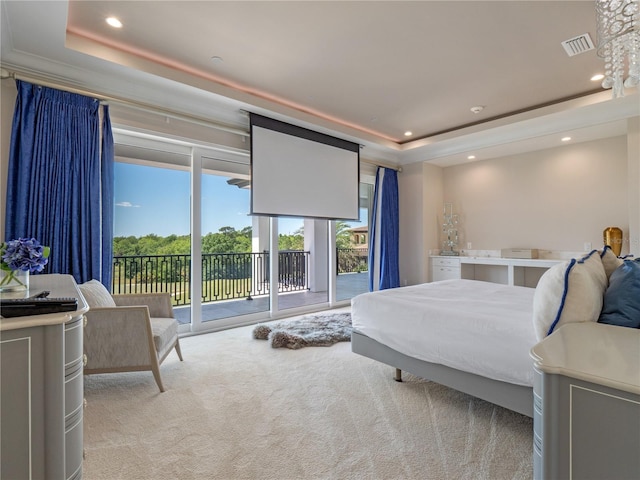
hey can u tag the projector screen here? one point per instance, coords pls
(301, 173)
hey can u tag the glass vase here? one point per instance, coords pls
(14, 280)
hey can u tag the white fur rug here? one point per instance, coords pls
(312, 330)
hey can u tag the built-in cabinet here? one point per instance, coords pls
(41, 390)
(586, 416)
(509, 271)
(445, 268)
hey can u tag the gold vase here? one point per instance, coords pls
(612, 236)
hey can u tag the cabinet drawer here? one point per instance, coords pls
(445, 262)
(537, 381)
(74, 391)
(73, 440)
(73, 340)
(445, 273)
(537, 465)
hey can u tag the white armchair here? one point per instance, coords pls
(126, 333)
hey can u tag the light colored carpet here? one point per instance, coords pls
(239, 409)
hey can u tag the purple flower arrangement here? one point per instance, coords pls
(23, 254)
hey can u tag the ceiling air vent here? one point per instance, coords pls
(580, 44)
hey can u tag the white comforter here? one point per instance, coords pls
(478, 327)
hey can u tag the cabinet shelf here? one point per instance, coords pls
(509, 271)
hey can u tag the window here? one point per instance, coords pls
(182, 223)
(152, 240)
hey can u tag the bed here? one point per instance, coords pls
(469, 335)
(476, 337)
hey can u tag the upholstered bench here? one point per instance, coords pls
(126, 333)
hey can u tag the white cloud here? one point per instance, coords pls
(127, 205)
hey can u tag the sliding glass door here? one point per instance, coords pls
(182, 226)
(352, 250)
(234, 273)
(152, 239)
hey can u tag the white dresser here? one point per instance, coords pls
(508, 271)
(586, 415)
(41, 390)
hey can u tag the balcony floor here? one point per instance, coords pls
(348, 286)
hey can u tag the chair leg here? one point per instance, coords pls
(178, 351)
(155, 368)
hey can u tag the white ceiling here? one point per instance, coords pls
(366, 71)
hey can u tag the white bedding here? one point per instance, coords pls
(478, 327)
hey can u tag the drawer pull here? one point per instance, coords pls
(84, 360)
(84, 403)
(84, 324)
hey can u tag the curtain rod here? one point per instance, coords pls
(108, 99)
(152, 109)
(381, 164)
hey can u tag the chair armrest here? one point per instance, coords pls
(118, 337)
(159, 304)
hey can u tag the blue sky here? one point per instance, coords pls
(156, 200)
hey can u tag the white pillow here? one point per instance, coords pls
(610, 261)
(593, 263)
(96, 295)
(568, 292)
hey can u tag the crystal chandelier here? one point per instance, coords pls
(619, 43)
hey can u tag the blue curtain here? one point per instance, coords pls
(57, 184)
(383, 247)
(107, 185)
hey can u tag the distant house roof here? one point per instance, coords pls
(364, 229)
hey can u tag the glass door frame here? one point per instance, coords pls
(196, 240)
(196, 325)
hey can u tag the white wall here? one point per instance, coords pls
(556, 199)
(633, 182)
(420, 201)
(132, 119)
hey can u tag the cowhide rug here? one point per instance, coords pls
(321, 330)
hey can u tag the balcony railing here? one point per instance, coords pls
(225, 276)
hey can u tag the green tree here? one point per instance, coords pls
(290, 242)
(343, 237)
(227, 240)
(149, 244)
(175, 245)
(123, 246)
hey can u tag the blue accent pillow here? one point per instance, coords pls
(622, 298)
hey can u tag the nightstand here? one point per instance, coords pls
(586, 414)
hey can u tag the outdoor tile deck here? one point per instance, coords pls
(348, 286)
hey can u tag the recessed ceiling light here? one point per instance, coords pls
(114, 22)
(477, 108)
(471, 157)
(408, 133)
(597, 77)
(565, 139)
(217, 59)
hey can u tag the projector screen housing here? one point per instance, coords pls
(301, 173)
